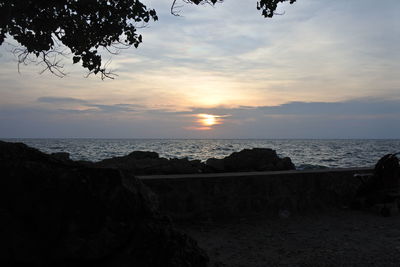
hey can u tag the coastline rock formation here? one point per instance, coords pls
(63, 156)
(55, 212)
(256, 159)
(150, 163)
(145, 162)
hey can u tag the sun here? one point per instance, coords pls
(205, 122)
(208, 119)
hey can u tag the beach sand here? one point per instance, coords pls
(337, 238)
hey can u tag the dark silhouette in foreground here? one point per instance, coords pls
(256, 159)
(382, 187)
(147, 163)
(60, 213)
(57, 212)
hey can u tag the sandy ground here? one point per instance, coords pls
(339, 238)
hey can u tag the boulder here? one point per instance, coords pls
(145, 162)
(57, 213)
(149, 163)
(256, 159)
(143, 155)
(63, 156)
(215, 165)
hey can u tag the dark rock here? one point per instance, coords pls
(380, 187)
(144, 162)
(58, 214)
(148, 163)
(64, 156)
(285, 164)
(215, 165)
(256, 159)
(143, 155)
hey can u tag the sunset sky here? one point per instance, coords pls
(324, 69)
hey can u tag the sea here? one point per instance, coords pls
(305, 153)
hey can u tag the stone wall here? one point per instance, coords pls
(227, 195)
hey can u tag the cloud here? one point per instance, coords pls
(115, 108)
(85, 106)
(61, 100)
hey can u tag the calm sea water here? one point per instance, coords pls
(311, 153)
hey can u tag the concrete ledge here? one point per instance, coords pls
(226, 195)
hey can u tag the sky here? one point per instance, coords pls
(322, 69)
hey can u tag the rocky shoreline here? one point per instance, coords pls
(150, 163)
(59, 212)
(56, 212)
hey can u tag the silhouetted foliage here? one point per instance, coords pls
(268, 7)
(43, 27)
(81, 25)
